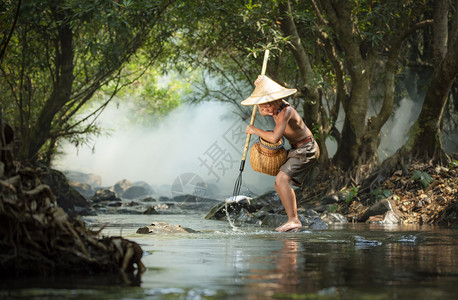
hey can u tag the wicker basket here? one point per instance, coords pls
(266, 157)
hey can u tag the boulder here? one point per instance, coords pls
(67, 197)
(389, 218)
(105, 195)
(317, 223)
(186, 199)
(121, 186)
(135, 192)
(265, 210)
(164, 199)
(83, 188)
(150, 211)
(145, 185)
(234, 208)
(380, 208)
(273, 220)
(80, 177)
(246, 217)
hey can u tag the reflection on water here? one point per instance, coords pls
(284, 274)
(351, 262)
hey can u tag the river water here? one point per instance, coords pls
(354, 261)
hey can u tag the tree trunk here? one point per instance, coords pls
(358, 146)
(425, 135)
(58, 98)
(357, 150)
(312, 106)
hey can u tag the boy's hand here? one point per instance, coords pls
(256, 82)
(250, 129)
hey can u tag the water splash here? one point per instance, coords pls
(234, 199)
(234, 228)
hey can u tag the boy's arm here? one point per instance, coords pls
(273, 136)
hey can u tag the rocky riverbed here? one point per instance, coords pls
(423, 195)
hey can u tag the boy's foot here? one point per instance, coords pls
(288, 226)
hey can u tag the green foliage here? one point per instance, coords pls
(423, 177)
(148, 99)
(454, 164)
(333, 208)
(63, 52)
(316, 131)
(227, 42)
(381, 194)
(126, 48)
(351, 194)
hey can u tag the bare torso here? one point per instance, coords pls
(295, 130)
(288, 123)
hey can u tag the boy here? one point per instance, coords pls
(268, 95)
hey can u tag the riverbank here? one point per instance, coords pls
(421, 194)
(424, 194)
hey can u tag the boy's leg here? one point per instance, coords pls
(288, 199)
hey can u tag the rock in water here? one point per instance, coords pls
(161, 227)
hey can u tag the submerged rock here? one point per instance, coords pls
(364, 243)
(161, 227)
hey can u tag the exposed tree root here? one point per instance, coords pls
(38, 238)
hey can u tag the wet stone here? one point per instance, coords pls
(333, 218)
(389, 218)
(317, 223)
(161, 227)
(105, 195)
(380, 208)
(150, 211)
(246, 217)
(149, 199)
(360, 241)
(114, 204)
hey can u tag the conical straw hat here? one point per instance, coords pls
(267, 90)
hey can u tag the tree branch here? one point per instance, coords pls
(3, 50)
